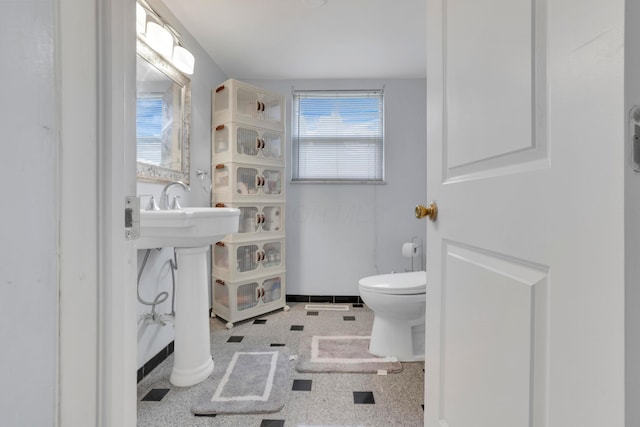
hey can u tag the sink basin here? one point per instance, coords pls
(186, 227)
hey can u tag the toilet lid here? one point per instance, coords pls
(397, 284)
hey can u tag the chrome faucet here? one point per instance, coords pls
(164, 196)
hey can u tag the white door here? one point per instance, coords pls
(525, 261)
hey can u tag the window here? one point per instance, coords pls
(338, 136)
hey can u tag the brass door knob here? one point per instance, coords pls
(430, 210)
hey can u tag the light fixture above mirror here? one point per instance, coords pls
(162, 38)
(163, 103)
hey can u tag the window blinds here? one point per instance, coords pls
(149, 130)
(338, 136)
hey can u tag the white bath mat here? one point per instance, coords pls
(250, 381)
(326, 307)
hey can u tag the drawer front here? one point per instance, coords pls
(238, 101)
(239, 182)
(236, 142)
(234, 260)
(257, 220)
(240, 296)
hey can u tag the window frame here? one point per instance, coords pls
(294, 176)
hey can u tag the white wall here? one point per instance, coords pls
(337, 234)
(156, 277)
(28, 230)
(632, 224)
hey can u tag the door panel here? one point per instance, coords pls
(492, 326)
(494, 86)
(476, 49)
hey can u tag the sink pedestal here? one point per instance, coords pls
(190, 231)
(192, 345)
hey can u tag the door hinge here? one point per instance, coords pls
(132, 217)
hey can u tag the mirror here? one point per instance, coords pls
(163, 118)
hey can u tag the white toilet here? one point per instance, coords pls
(398, 302)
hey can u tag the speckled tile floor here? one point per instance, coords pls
(330, 402)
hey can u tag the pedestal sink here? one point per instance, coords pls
(190, 231)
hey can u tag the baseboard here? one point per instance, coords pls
(155, 361)
(332, 299)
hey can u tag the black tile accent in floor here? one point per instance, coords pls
(276, 345)
(235, 338)
(156, 394)
(260, 321)
(352, 318)
(301, 385)
(312, 313)
(363, 397)
(272, 423)
(297, 327)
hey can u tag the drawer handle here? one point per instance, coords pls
(261, 218)
(220, 282)
(220, 205)
(220, 88)
(219, 127)
(221, 244)
(259, 181)
(220, 166)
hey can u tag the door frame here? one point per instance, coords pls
(95, 55)
(117, 179)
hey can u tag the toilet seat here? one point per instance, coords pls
(396, 284)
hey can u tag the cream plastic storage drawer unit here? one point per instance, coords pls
(240, 259)
(238, 182)
(235, 101)
(237, 142)
(257, 220)
(248, 173)
(242, 299)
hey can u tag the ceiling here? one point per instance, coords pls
(289, 39)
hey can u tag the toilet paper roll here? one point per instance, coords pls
(409, 249)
